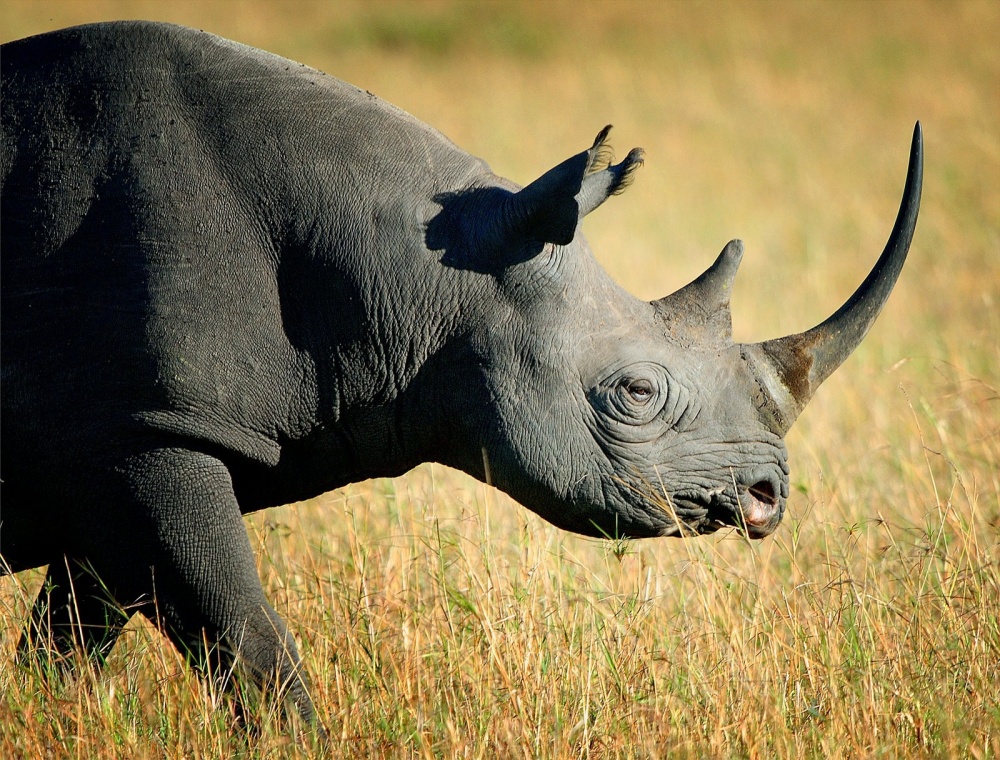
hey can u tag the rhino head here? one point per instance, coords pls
(612, 416)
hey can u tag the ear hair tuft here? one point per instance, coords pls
(625, 171)
(601, 154)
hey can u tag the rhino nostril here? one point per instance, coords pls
(764, 491)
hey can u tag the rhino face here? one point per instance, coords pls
(610, 416)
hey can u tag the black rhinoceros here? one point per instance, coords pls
(231, 282)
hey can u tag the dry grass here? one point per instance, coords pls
(438, 618)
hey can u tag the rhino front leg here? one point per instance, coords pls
(73, 612)
(208, 597)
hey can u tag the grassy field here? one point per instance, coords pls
(438, 618)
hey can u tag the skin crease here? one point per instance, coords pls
(232, 282)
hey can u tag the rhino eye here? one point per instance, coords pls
(636, 399)
(633, 395)
(640, 390)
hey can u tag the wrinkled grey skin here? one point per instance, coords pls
(231, 282)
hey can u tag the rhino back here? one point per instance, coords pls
(198, 235)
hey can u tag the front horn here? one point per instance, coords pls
(803, 361)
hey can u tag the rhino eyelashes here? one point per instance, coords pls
(635, 400)
(640, 390)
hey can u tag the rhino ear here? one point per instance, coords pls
(551, 207)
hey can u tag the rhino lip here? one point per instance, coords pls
(700, 513)
(756, 512)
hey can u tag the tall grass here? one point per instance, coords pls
(438, 618)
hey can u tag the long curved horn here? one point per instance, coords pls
(805, 360)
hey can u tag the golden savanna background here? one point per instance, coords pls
(438, 618)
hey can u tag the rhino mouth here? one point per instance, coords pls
(754, 510)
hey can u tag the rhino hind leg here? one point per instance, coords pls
(208, 596)
(74, 612)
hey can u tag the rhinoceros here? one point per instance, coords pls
(231, 282)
